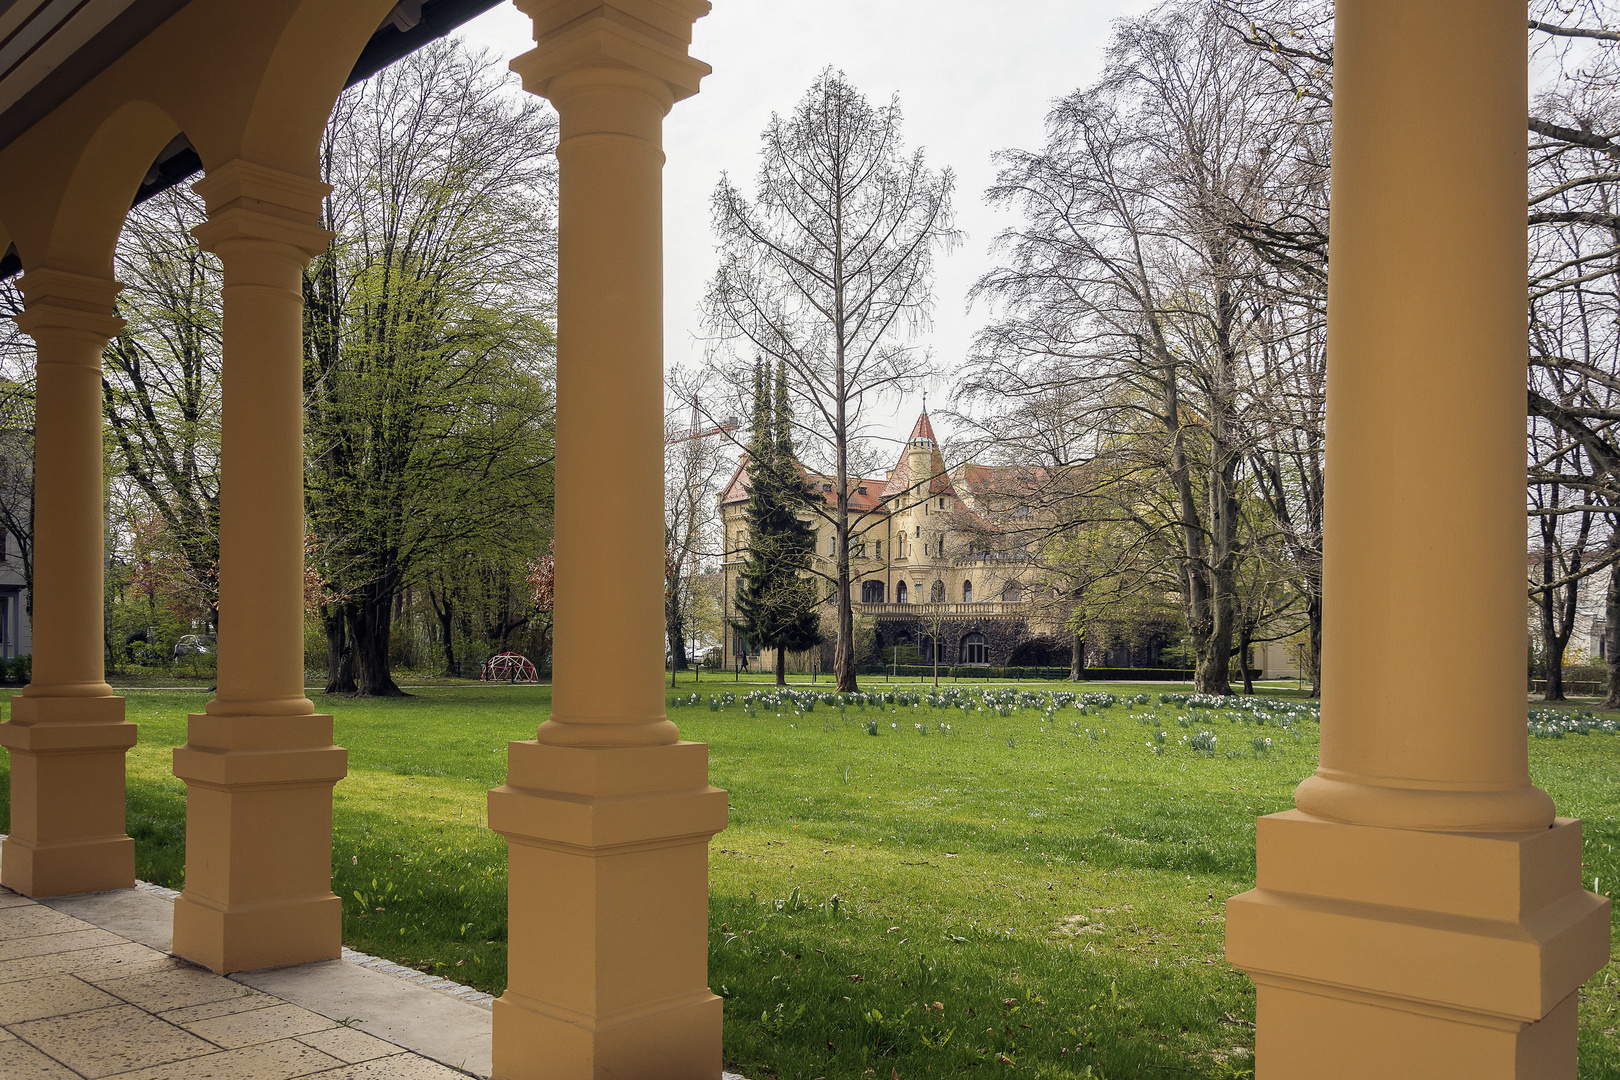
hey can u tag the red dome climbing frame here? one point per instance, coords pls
(508, 667)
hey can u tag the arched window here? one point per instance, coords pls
(900, 594)
(925, 650)
(967, 592)
(1013, 592)
(975, 650)
(871, 592)
(937, 592)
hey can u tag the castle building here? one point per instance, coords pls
(934, 562)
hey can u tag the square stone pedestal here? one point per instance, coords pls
(608, 921)
(258, 842)
(67, 796)
(1405, 954)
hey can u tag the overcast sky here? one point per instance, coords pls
(973, 77)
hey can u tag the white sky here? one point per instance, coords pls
(974, 77)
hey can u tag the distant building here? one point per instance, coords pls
(921, 571)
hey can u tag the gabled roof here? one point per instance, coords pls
(863, 494)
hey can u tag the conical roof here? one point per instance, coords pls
(900, 481)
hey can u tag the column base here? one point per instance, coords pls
(1302, 1033)
(1399, 953)
(535, 1042)
(258, 842)
(608, 896)
(246, 937)
(67, 796)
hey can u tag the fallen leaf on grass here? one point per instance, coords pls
(1003, 1059)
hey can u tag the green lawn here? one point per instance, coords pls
(1054, 885)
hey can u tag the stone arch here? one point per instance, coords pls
(900, 594)
(97, 197)
(967, 592)
(301, 81)
(936, 592)
(974, 649)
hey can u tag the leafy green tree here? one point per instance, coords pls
(776, 604)
(428, 355)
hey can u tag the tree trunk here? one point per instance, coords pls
(442, 607)
(371, 622)
(1077, 657)
(339, 651)
(1314, 611)
(1245, 633)
(1611, 638)
(781, 666)
(1552, 653)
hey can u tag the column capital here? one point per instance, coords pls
(650, 37)
(252, 202)
(60, 300)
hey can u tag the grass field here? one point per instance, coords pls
(903, 890)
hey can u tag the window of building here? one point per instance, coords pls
(942, 504)
(900, 594)
(880, 549)
(1013, 592)
(871, 592)
(937, 593)
(919, 532)
(832, 545)
(975, 650)
(967, 592)
(925, 650)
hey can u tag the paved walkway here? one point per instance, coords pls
(88, 990)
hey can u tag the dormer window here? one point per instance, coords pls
(942, 504)
(860, 491)
(826, 487)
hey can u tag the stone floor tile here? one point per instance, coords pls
(72, 941)
(11, 899)
(19, 1061)
(122, 967)
(54, 995)
(396, 1067)
(31, 920)
(175, 988)
(348, 1045)
(245, 1000)
(259, 1026)
(104, 1042)
(4, 1035)
(122, 958)
(282, 1060)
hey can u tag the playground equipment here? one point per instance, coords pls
(508, 667)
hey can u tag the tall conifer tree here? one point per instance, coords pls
(776, 604)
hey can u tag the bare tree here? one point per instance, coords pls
(828, 269)
(695, 461)
(1133, 286)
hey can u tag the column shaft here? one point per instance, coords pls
(607, 815)
(67, 734)
(260, 764)
(1421, 913)
(1425, 499)
(610, 402)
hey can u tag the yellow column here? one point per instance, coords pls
(259, 764)
(608, 816)
(67, 733)
(1420, 914)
